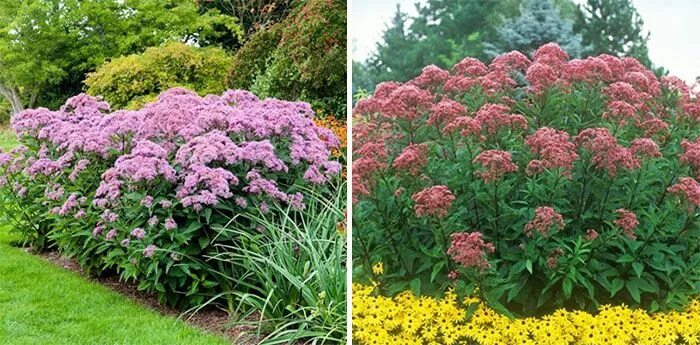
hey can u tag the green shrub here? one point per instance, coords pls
(133, 80)
(303, 57)
(253, 58)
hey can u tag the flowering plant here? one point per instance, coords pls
(544, 182)
(147, 192)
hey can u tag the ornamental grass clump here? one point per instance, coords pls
(144, 191)
(541, 183)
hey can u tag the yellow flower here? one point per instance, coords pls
(378, 268)
(408, 319)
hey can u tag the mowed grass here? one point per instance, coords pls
(41, 303)
(8, 140)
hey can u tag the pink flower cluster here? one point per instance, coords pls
(545, 218)
(691, 155)
(554, 149)
(608, 154)
(412, 158)
(470, 250)
(493, 117)
(497, 163)
(195, 143)
(433, 201)
(627, 221)
(689, 188)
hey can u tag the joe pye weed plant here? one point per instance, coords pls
(154, 194)
(535, 183)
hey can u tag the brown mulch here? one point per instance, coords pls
(209, 319)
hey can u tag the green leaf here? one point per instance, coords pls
(203, 241)
(436, 270)
(638, 267)
(528, 265)
(568, 287)
(626, 258)
(415, 286)
(634, 291)
(616, 286)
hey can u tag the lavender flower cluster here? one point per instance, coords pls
(210, 148)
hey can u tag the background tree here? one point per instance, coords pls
(442, 33)
(133, 80)
(613, 27)
(398, 55)
(47, 46)
(540, 22)
(301, 58)
(253, 16)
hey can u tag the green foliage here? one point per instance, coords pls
(131, 81)
(540, 22)
(308, 62)
(613, 27)
(655, 267)
(253, 15)
(292, 269)
(252, 59)
(441, 33)
(66, 39)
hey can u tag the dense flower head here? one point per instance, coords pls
(545, 219)
(194, 143)
(689, 188)
(541, 76)
(554, 149)
(433, 201)
(591, 69)
(645, 147)
(627, 221)
(412, 159)
(470, 67)
(497, 163)
(431, 77)
(493, 117)
(621, 112)
(591, 235)
(608, 154)
(445, 112)
(550, 54)
(467, 126)
(408, 102)
(514, 60)
(470, 250)
(691, 155)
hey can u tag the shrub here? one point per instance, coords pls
(303, 57)
(543, 184)
(252, 59)
(134, 80)
(148, 192)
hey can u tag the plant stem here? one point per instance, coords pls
(605, 200)
(445, 244)
(497, 211)
(584, 183)
(471, 173)
(636, 185)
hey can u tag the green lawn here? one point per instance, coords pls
(7, 138)
(41, 303)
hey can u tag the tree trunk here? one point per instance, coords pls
(12, 96)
